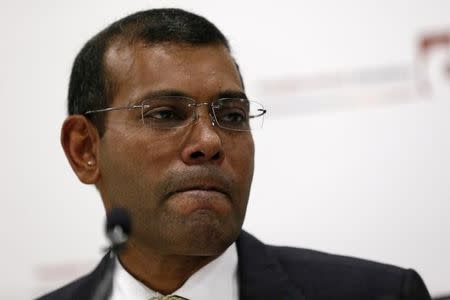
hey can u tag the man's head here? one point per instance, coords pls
(185, 187)
(91, 83)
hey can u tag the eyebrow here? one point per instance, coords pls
(178, 93)
(231, 94)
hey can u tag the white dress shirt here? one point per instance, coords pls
(217, 280)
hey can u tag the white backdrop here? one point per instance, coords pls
(368, 177)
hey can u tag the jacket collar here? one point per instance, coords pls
(261, 275)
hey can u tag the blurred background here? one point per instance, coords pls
(354, 157)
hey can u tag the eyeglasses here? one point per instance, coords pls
(168, 112)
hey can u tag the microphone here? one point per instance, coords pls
(117, 229)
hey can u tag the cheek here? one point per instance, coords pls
(242, 148)
(131, 164)
(142, 149)
(240, 155)
(240, 152)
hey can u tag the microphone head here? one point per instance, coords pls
(118, 226)
(118, 217)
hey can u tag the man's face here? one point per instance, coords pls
(185, 188)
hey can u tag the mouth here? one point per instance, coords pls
(201, 198)
(203, 188)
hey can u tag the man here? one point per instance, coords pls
(160, 123)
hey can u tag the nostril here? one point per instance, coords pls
(197, 154)
(216, 156)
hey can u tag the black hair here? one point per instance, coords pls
(89, 86)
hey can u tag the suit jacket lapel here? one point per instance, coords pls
(260, 274)
(89, 283)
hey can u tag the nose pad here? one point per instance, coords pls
(196, 115)
(213, 119)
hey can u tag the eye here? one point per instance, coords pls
(166, 112)
(161, 113)
(232, 116)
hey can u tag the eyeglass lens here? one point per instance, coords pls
(231, 113)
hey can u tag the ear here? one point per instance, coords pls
(80, 140)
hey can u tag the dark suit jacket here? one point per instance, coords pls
(275, 273)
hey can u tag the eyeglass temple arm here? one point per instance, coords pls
(111, 109)
(262, 112)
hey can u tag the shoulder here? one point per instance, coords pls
(66, 292)
(290, 257)
(321, 275)
(343, 274)
(317, 260)
(312, 261)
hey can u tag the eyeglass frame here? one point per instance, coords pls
(194, 104)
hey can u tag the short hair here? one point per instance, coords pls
(91, 88)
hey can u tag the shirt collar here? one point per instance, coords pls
(217, 280)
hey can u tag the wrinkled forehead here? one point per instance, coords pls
(196, 70)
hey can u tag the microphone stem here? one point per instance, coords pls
(104, 288)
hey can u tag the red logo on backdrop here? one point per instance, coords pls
(434, 55)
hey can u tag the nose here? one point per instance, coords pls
(203, 143)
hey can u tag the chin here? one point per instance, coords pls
(206, 236)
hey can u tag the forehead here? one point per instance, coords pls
(198, 71)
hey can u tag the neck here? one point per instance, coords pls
(160, 272)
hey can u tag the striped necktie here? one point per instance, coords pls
(168, 297)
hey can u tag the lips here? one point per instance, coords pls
(197, 182)
(205, 187)
(200, 198)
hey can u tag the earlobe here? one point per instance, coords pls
(79, 139)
